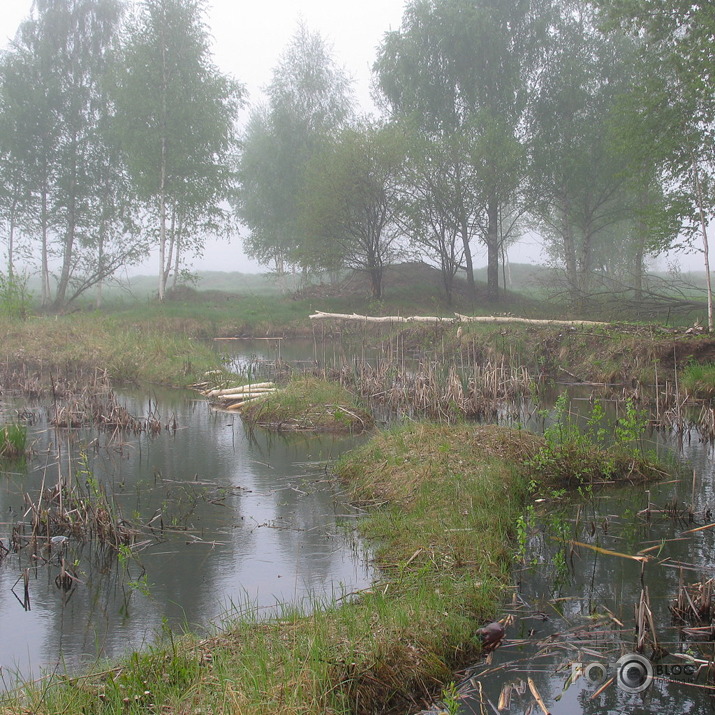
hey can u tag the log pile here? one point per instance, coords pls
(234, 399)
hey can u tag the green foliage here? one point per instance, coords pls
(524, 524)
(67, 187)
(581, 458)
(15, 299)
(13, 441)
(175, 117)
(352, 200)
(450, 699)
(308, 101)
(458, 72)
(629, 428)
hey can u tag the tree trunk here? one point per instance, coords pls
(706, 247)
(641, 237)
(11, 243)
(100, 268)
(471, 288)
(162, 179)
(70, 235)
(492, 241)
(464, 232)
(585, 261)
(376, 282)
(177, 256)
(45, 250)
(570, 257)
(175, 275)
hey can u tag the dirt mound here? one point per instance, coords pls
(187, 294)
(397, 279)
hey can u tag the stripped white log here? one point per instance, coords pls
(527, 321)
(239, 398)
(229, 390)
(366, 318)
(253, 391)
(320, 315)
(238, 406)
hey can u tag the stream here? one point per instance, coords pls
(248, 521)
(252, 520)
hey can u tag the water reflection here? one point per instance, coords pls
(237, 519)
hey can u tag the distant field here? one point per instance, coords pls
(409, 288)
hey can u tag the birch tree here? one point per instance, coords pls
(175, 114)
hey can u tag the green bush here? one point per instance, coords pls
(15, 299)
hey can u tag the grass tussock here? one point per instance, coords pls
(601, 453)
(13, 441)
(698, 379)
(309, 404)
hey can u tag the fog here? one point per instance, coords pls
(248, 40)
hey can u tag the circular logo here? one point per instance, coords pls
(595, 674)
(634, 673)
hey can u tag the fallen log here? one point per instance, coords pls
(242, 393)
(526, 321)
(237, 388)
(238, 406)
(239, 401)
(320, 315)
(458, 318)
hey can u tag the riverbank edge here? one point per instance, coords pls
(155, 348)
(441, 506)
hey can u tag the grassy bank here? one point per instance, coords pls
(309, 404)
(165, 342)
(442, 503)
(129, 352)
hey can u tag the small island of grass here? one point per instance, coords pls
(309, 404)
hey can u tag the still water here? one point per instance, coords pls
(574, 606)
(239, 522)
(246, 521)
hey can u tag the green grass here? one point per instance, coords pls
(13, 441)
(698, 379)
(130, 352)
(310, 404)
